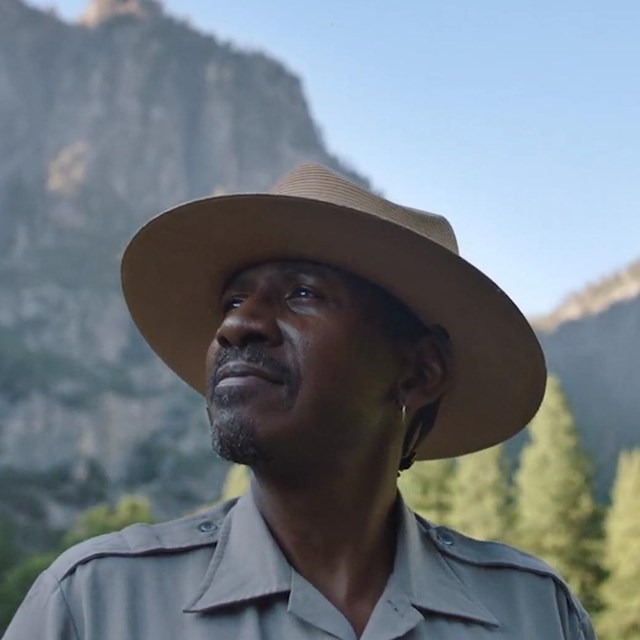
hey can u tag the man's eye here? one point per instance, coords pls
(303, 291)
(232, 303)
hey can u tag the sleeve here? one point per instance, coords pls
(585, 626)
(577, 624)
(586, 629)
(43, 615)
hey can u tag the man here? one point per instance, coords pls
(336, 337)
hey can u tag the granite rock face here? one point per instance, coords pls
(103, 124)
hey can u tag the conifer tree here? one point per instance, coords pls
(425, 488)
(620, 619)
(557, 518)
(480, 495)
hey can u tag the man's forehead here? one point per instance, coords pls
(285, 269)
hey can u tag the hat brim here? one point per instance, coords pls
(175, 267)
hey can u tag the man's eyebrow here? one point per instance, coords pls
(291, 271)
(307, 269)
(239, 281)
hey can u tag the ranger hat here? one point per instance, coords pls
(175, 267)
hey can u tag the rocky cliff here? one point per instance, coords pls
(104, 123)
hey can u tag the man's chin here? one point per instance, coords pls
(234, 440)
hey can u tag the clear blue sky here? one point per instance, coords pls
(519, 121)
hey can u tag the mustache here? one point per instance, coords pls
(254, 354)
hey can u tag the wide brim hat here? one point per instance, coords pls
(175, 268)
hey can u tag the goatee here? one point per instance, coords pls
(233, 438)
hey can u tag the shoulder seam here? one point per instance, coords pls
(66, 604)
(578, 611)
(542, 571)
(142, 540)
(122, 553)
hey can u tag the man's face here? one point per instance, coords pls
(299, 368)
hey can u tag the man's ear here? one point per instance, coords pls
(430, 372)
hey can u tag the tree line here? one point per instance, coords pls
(545, 507)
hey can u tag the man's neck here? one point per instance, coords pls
(340, 536)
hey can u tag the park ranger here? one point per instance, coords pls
(336, 337)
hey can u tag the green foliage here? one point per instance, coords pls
(557, 518)
(480, 505)
(17, 582)
(105, 518)
(620, 619)
(426, 489)
(237, 482)
(8, 548)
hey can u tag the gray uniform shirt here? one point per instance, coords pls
(220, 574)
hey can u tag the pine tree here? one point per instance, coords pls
(480, 495)
(620, 619)
(425, 488)
(557, 518)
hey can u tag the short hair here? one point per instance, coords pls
(400, 324)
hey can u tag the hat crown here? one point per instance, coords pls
(317, 182)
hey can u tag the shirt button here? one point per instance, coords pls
(207, 526)
(445, 537)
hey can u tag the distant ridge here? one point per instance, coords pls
(100, 11)
(594, 298)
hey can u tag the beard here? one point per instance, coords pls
(232, 437)
(236, 443)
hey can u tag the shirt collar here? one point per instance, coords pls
(248, 564)
(424, 575)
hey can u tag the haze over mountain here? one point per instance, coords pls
(104, 123)
(592, 342)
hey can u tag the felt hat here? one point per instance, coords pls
(175, 267)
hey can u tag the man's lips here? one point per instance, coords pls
(240, 372)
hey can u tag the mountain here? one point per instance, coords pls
(592, 342)
(103, 124)
(594, 299)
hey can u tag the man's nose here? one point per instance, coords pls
(253, 321)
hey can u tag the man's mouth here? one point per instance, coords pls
(242, 374)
